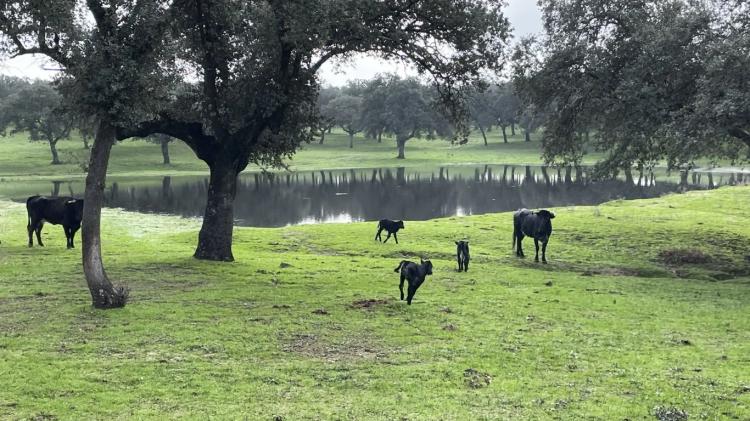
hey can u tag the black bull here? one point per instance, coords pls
(537, 225)
(65, 211)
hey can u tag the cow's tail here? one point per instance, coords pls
(399, 266)
(514, 236)
(28, 208)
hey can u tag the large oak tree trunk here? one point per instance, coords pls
(165, 151)
(505, 136)
(215, 238)
(53, 149)
(351, 140)
(103, 293)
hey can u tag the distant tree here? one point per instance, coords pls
(38, 110)
(649, 80)
(529, 120)
(346, 111)
(410, 112)
(326, 118)
(483, 111)
(507, 107)
(374, 109)
(163, 141)
(10, 85)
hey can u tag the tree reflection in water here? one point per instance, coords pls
(272, 200)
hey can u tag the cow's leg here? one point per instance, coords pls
(412, 291)
(30, 229)
(544, 250)
(401, 287)
(536, 245)
(458, 258)
(69, 233)
(466, 264)
(395, 237)
(377, 236)
(519, 250)
(38, 230)
(387, 237)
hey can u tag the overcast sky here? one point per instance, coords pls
(524, 16)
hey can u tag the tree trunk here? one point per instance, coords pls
(215, 238)
(380, 136)
(53, 149)
(103, 293)
(512, 129)
(86, 142)
(165, 151)
(351, 140)
(484, 135)
(526, 134)
(401, 143)
(322, 137)
(505, 136)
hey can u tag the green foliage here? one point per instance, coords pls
(650, 80)
(38, 110)
(324, 336)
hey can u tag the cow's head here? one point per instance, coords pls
(74, 211)
(427, 266)
(400, 224)
(546, 214)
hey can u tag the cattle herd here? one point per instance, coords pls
(68, 212)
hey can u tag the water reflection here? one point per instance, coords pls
(271, 200)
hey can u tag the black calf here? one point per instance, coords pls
(537, 225)
(65, 211)
(391, 226)
(462, 255)
(415, 274)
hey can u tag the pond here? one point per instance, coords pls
(280, 199)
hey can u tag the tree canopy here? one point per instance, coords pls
(651, 80)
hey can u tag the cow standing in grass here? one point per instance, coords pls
(415, 274)
(537, 225)
(391, 226)
(65, 211)
(462, 255)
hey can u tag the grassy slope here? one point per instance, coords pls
(209, 340)
(20, 159)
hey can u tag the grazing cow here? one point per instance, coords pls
(391, 226)
(65, 211)
(415, 274)
(537, 225)
(462, 254)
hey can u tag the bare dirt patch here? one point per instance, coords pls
(354, 348)
(670, 414)
(476, 379)
(368, 304)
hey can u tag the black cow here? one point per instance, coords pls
(462, 255)
(537, 225)
(415, 274)
(391, 226)
(65, 211)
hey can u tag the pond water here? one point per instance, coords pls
(279, 199)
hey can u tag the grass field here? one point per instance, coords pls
(641, 313)
(21, 159)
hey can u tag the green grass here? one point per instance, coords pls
(607, 330)
(21, 159)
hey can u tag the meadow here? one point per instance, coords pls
(640, 314)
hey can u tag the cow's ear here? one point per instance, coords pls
(456, 242)
(551, 215)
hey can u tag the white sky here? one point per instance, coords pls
(524, 16)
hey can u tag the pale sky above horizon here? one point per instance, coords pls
(524, 16)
